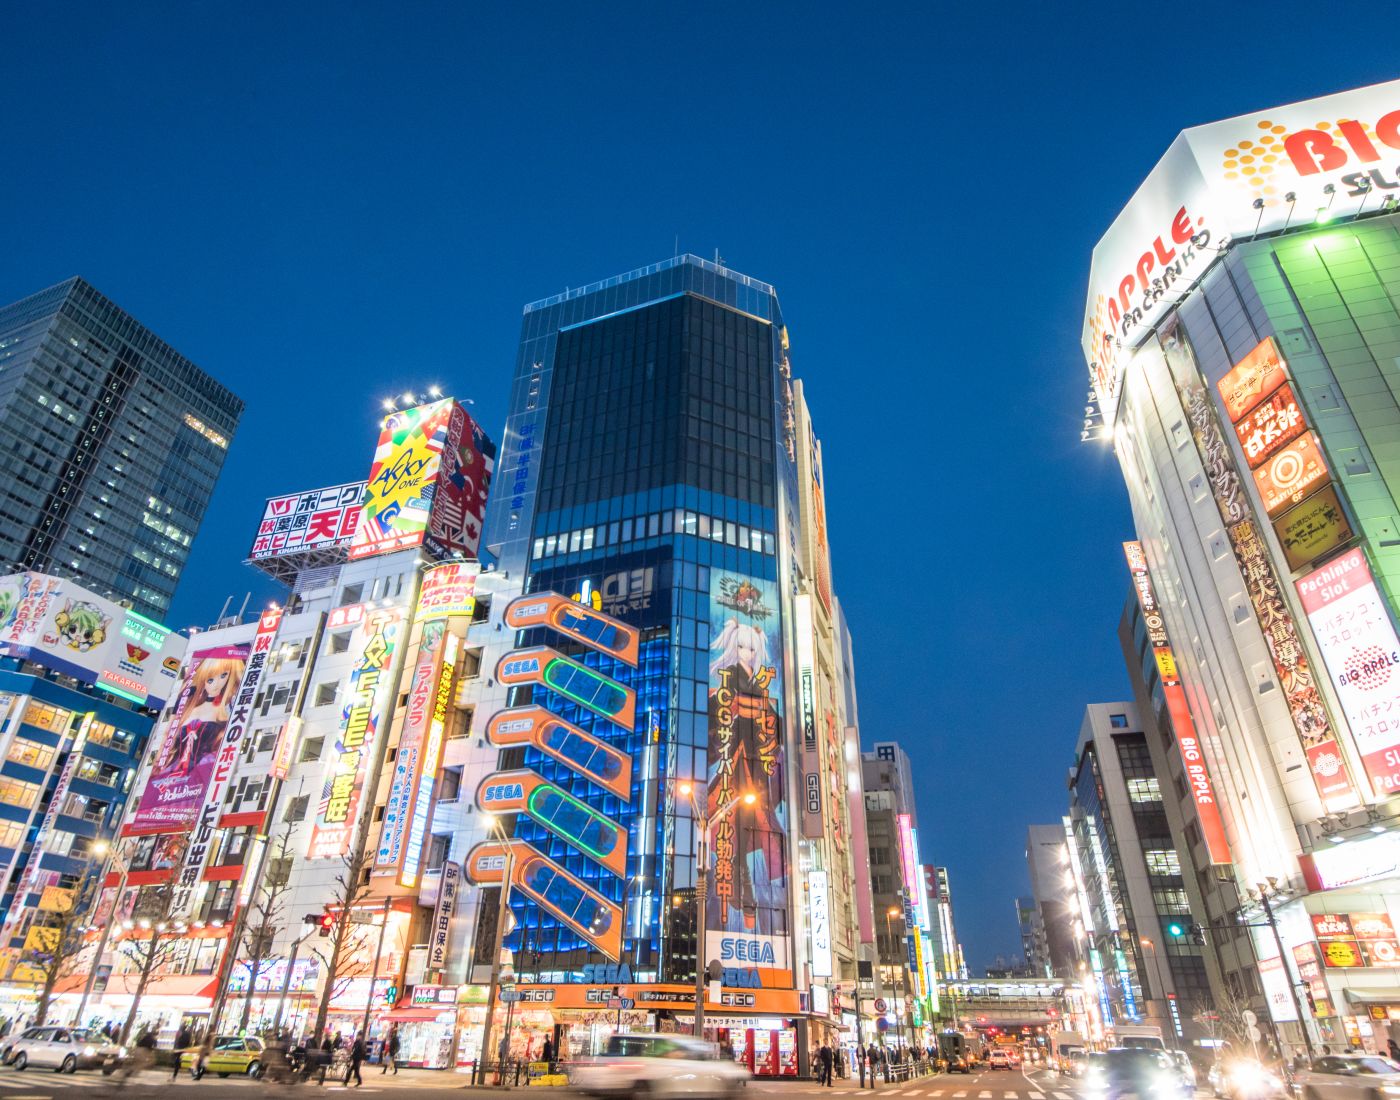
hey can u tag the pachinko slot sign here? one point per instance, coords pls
(370, 689)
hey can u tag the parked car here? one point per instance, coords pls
(65, 1049)
(231, 1054)
(1349, 1077)
(658, 1065)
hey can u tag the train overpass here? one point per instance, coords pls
(1005, 1002)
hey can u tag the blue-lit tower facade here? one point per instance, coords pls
(649, 482)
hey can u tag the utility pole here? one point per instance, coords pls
(106, 932)
(287, 977)
(1264, 891)
(502, 910)
(374, 975)
(701, 899)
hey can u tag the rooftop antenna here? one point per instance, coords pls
(246, 597)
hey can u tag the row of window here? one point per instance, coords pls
(679, 522)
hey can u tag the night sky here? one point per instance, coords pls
(326, 204)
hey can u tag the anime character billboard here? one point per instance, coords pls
(185, 762)
(746, 909)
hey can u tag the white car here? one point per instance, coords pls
(65, 1049)
(658, 1065)
(999, 1059)
(1349, 1077)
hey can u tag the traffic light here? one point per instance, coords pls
(1176, 929)
(1198, 935)
(326, 923)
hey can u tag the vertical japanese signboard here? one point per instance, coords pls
(240, 714)
(1197, 773)
(438, 936)
(1359, 647)
(746, 909)
(370, 689)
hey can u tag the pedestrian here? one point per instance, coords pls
(391, 1051)
(357, 1055)
(1393, 1049)
(183, 1039)
(337, 1041)
(206, 1047)
(872, 1055)
(547, 1054)
(826, 1060)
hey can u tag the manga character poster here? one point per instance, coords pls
(746, 909)
(183, 766)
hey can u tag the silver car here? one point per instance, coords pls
(1350, 1077)
(655, 1064)
(65, 1049)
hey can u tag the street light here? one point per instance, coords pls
(705, 824)
(890, 913)
(102, 848)
(493, 823)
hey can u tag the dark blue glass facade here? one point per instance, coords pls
(643, 451)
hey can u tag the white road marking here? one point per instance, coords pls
(959, 1095)
(984, 1095)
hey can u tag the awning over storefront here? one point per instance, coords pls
(416, 1015)
(164, 985)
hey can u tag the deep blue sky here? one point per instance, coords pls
(324, 204)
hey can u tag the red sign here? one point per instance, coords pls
(1290, 474)
(1277, 420)
(1251, 378)
(1331, 926)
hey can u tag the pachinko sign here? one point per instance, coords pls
(747, 808)
(184, 764)
(370, 689)
(1192, 756)
(1303, 163)
(1357, 640)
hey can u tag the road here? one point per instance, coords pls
(38, 1084)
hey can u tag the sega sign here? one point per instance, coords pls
(747, 949)
(503, 792)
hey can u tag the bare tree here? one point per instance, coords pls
(154, 938)
(342, 956)
(57, 938)
(267, 915)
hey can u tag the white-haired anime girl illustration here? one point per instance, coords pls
(750, 872)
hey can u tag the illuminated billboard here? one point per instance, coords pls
(1183, 727)
(428, 482)
(583, 624)
(184, 763)
(597, 761)
(62, 626)
(746, 912)
(1313, 529)
(1270, 425)
(370, 688)
(576, 682)
(448, 589)
(1359, 647)
(1302, 162)
(318, 519)
(1290, 475)
(596, 836)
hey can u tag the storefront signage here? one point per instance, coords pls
(819, 914)
(1274, 977)
(1290, 475)
(370, 689)
(1312, 529)
(1270, 425)
(1353, 940)
(317, 519)
(433, 995)
(438, 934)
(1336, 865)
(1359, 647)
(239, 714)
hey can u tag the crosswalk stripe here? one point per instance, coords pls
(1037, 1096)
(959, 1095)
(984, 1095)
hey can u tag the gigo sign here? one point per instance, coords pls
(1204, 190)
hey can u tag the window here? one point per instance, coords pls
(267, 741)
(340, 643)
(53, 719)
(311, 748)
(351, 593)
(15, 793)
(1144, 790)
(1118, 721)
(30, 753)
(11, 834)
(325, 694)
(437, 852)
(296, 808)
(451, 784)
(1162, 861)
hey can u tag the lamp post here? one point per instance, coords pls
(890, 913)
(103, 848)
(503, 907)
(374, 976)
(1265, 890)
(704, 823)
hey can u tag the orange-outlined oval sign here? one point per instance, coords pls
(598, 837)
(583, 685)
(593, 759)
(572, 619)
(574, 904)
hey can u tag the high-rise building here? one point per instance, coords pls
(111, 442)
(1242, 337)
(1052, 889)
(1144, 964)
(659, 471)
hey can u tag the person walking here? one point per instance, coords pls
(826, 1059)
(391, 1051)
(357, 1055)
(872, 1055)
(206, 1047)
(183, 1039)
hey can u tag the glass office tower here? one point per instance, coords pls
(649, 473)
(110, 445)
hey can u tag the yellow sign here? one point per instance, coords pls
(41, 939)
(55, 899)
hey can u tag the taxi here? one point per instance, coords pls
(232, 1054)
